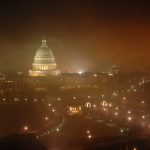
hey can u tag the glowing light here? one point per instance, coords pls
(74, 110)
(89, 96)
(15, 99)
(121, 130)
(134, 148)
(94, 106)
(80, 108)
(115, 94)
(46, 118)
(142, 102)
(59, 99)
(129, 118)
(110, 105)
(116, 108)
(95, 75)
(110, 74)
(129, 112)
(116, 113)
(87, 131)
(80, 72)
(57, 129)
(124, 98)
(104, 109)
(35, 100)
(103, 95)
(53, 110)
(89, 136)
(25, 128)
(104, 103)
(88, 104)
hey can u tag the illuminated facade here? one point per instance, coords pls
(72, 110)
(44, 62)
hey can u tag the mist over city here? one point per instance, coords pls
(75, 75)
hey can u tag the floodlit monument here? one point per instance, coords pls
(44, 62)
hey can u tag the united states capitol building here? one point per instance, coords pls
(44, 62)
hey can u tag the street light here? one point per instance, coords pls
(129, 118)
(46, 118)
(89, 136)
(25, 128)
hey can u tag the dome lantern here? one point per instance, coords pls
(44, 43)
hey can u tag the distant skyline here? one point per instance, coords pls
(83, 34)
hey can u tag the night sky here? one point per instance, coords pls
(83, 34)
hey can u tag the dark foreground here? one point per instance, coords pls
(21, 142)
(29, 142)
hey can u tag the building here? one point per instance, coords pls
(44, 62)
(73, 110)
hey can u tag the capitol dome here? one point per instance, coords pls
(44, 62)
(44, 51)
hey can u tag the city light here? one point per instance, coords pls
(121, 130)
(15, 99)
(87, 131)
(57, 129)
(89, 96)
(94, 105)
(25, 128)
(142, 102)
(80, 72)
(116, 113)
(129, 112)
(110, 105)
(116, 108)
(129, 118)
(53, 110)
(104, 103)
(46, 118)
(134, 148)
(88, 105)
(59, 99)
(89, 136)
(35, 100)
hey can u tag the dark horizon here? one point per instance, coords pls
(84, 35)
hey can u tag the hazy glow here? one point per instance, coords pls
(80, 72)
